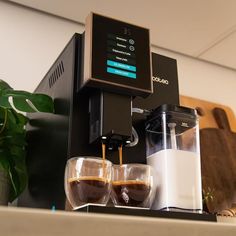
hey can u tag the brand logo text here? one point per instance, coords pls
(159, 80)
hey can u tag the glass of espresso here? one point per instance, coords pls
(133, 186)
(87, 181)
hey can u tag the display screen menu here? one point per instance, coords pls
(121, 54)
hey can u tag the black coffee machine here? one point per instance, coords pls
(102, 88)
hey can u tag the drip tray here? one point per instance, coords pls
(148, 213)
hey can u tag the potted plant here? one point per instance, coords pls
(13, 173)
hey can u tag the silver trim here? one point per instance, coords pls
(88, 48)
(151, 74)
(101, 113)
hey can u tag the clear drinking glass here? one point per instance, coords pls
(87, 181)
(133, 185)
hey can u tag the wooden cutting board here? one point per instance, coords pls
(218, 151)
(207, 120)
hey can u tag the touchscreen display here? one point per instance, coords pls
(121, 54)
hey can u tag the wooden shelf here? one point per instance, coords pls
(22, 221)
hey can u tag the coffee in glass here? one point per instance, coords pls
(133, 185)
(87, 181)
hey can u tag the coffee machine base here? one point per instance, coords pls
(148, 213)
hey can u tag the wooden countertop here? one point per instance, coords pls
(24, 222)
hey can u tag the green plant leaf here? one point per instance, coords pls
(15, 123)
(42, 102)
(4, 85)
(12, 159)
(4, 163)
(18, 175)
(11, 117)
(13, 133)
(4, 102)
(12, 139)
(17, 118)
(17, 151)
(21, 104)
(27, 102)
(20, 181)
(14, 182)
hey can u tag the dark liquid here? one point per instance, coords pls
(88, 190)
(130, 193)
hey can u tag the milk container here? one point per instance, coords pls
(173, 150)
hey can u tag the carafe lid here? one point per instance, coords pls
(174, 108)
(184, 118)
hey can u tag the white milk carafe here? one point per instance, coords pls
(173, 150)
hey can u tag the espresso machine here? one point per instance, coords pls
(105, 83)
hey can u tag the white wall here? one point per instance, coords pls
(204, 80)
(30, 41)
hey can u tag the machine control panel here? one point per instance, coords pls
(117, 55)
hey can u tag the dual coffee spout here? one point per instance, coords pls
(110, 119)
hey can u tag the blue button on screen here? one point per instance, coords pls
(121, 65)
(121, 72)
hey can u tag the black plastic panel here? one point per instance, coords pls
(149, 213)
